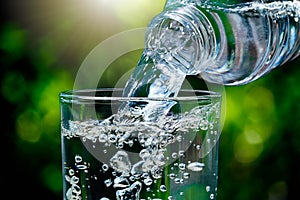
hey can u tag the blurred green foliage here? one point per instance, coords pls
(43, 44)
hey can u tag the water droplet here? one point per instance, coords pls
(104, 198)
(177, 180)
(212, 196)
(196, 166)
(198, 147)
(181, 193)
(163, 188)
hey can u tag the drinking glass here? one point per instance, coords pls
(116, 147)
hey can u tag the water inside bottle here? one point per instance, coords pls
(170, 48)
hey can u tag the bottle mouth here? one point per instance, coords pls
(183, 37)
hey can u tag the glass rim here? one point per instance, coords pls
(90, 95)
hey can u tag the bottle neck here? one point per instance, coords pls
(183, 37)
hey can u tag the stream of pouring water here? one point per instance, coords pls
(163, 67)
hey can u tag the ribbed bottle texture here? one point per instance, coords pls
(225, 42)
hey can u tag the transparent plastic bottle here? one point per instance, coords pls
(223, 41)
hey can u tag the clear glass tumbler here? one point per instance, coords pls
(111, 151)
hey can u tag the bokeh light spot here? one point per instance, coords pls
(46, 98)
(259, 103)
(13, 39)
(126, 11)
(51, 177)
(245, 151)
(253, 137)
(29, 126)
(13, 87)
(278, 190)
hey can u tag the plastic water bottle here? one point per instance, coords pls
(223, 41)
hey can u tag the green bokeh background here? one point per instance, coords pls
(42, 45)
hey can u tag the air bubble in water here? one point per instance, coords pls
(71, 172)
(186, 175)
(212, 196)
(120, 162)
(163, 188)
(204, 125)
(177, 180)
(174, 155)
(144, 154)
(121, 182)
(196, 166)
(108, 182)
(74, 180)
(81, 167)
(156, 172)
(179, 138)
(181, 153)
(112, 138)
(102, 138)
(105, 167)
(78, 158)
(132, 192)
(148, 181)
(172, 176)
(181, 166)
(207, 188)
(104, 198)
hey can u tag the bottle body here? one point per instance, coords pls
(227, 44)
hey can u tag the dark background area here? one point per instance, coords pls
(42, 45)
